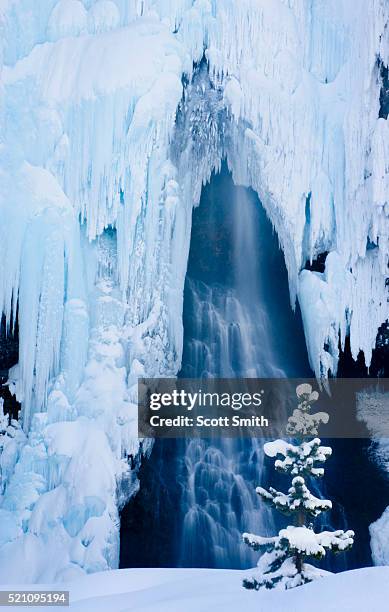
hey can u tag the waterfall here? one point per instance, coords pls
(199, 495)
(230, 337)
(196, 496)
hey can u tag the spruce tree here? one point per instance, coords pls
(282, 564)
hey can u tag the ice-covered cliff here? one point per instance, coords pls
(113, 115)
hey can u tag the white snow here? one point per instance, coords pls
(175, 590)
(298, 459)
(68, 18)
(103, 15)
(302, 539)
(89, 141)
(298, 496)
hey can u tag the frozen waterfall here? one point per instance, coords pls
(230, 327)
(90, 140)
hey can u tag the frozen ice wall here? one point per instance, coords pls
(99, 173)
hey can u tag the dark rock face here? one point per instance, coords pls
(9, 347)
(318, 264)
(9, 355)
(359, 487)
(149, 526)
(384, 93)
(379, 367)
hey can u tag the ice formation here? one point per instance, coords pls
(110, 124)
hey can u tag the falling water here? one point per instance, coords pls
(230, 337)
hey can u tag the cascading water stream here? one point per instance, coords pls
(219, 499)
(231, 336)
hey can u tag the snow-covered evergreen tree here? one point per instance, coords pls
(282, 564)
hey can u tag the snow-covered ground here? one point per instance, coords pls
(179, 590)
